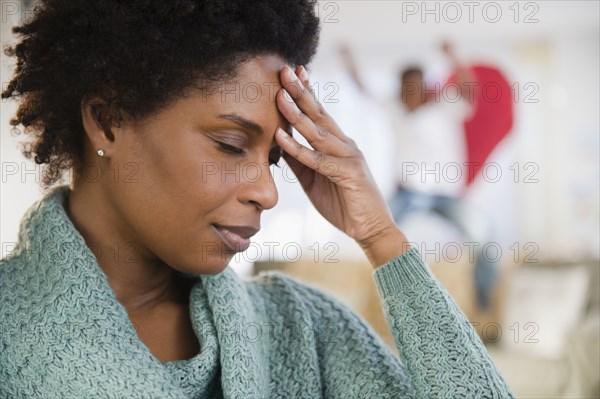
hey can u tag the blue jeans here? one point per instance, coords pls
(405, 202)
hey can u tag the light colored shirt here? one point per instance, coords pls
(430, 146)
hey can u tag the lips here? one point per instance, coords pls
(236, 238)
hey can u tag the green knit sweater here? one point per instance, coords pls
(63, 334)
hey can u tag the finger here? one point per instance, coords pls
(303, 76)
(317, 136)
(304, 174)
(307, 176)
(314, 159)
(308, 103)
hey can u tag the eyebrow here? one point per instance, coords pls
(243, 122)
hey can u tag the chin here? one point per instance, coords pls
(214, 269)
(215, 264)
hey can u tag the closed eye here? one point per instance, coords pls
(274, 157)
(232, 149)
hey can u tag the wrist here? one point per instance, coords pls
(384, 246)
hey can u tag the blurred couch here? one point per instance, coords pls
(551, 342)
(555, 305)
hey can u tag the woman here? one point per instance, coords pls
(119, 286)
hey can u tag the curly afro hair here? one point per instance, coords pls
(137, 56)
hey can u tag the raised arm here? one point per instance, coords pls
(464, 75)
(351, 66)
(426, 322)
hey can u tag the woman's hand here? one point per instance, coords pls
(335, 175)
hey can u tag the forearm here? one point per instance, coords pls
(466, 80)
(464, 74)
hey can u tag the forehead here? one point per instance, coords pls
(251, 93)
(265, 67)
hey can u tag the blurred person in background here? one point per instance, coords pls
(432, 163)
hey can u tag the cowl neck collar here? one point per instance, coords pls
(67, 272)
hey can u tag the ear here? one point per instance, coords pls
(98, 124)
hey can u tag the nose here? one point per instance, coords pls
(258, 186)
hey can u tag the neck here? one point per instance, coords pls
(140, 280)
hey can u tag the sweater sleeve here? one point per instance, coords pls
(442, 353)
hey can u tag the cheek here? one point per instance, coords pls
(161, 194)
(173, 222)
(182, 234)
(169, 170)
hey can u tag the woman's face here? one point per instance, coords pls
(182, 176)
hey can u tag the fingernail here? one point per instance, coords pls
(281, 132)
(291, 73)
(303, 73)
(287, 96)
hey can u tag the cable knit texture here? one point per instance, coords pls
(63, 334)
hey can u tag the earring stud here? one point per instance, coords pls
(100, 152)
